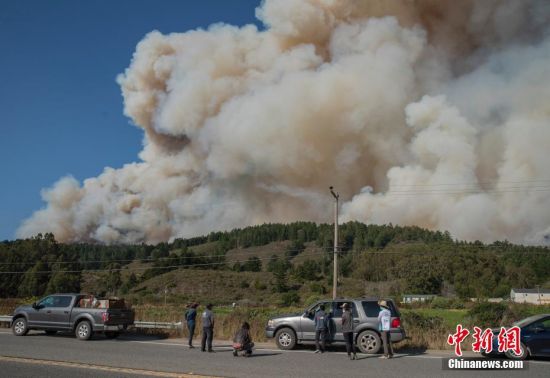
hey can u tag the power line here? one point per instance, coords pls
(308, 253)
(150, 259)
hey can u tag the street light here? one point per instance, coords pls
(335, 273)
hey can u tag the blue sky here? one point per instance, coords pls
(60, 107)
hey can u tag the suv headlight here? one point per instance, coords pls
(270, 323)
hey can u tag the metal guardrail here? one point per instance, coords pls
(137, 324)
(5, 318)
(158, 325)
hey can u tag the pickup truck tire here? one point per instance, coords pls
(285, 338)
(83, 330)
(50, 332)
(369, 342)
(112, 334)
(19, 327)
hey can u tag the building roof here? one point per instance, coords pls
(531, 291)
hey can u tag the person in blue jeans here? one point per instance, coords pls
(207, 329)
(321, 329)
(190, 317)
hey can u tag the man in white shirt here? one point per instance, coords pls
(384, 321)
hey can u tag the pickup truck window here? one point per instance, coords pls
(62, 301)
(46, 302)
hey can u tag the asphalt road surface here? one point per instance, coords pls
(39, 355)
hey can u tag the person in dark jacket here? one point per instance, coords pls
(190, 318)
(321, 329)
(243, 341)
(347, 330)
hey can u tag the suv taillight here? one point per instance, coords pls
(396, 323)
(105, 317)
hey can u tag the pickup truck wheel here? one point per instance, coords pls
(112, 334)
(51, 332)
(83, 330)
(19, 327)
(285, 338)
(369, 342)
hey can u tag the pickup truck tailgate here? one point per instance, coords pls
(120, 316)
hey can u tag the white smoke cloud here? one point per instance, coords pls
(427, 113)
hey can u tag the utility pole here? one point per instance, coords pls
(335, 273)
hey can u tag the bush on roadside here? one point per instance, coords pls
(290, 298)
(486, 314)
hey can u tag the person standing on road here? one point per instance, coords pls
(321, 328)
(384, 321)
(347, 330)
(190, 317)
(207, 328)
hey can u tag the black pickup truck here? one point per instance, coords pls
(71, 313)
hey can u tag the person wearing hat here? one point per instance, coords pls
(384, 321)
(347, 330)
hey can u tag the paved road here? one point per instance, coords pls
(62, 355)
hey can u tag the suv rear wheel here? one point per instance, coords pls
(285, 338)
(369, 342)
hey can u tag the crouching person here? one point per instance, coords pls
(242, 342)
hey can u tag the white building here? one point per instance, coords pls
(410, 298)
(533, 296)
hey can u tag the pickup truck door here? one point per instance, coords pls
(38, 315)
(60, 312)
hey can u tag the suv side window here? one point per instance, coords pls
(313, 309)
(371, 308)
(338, 309)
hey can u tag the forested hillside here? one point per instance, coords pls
(293, 259)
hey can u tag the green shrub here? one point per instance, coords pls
(486, 314)
(244, 284)
(317, 288)
(441, 302)
(259, 285)
(290, 298)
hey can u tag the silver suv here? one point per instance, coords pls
(289, 330)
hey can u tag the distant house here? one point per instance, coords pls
(410, 298)
(533, 296)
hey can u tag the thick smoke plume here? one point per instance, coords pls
(430, 113)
